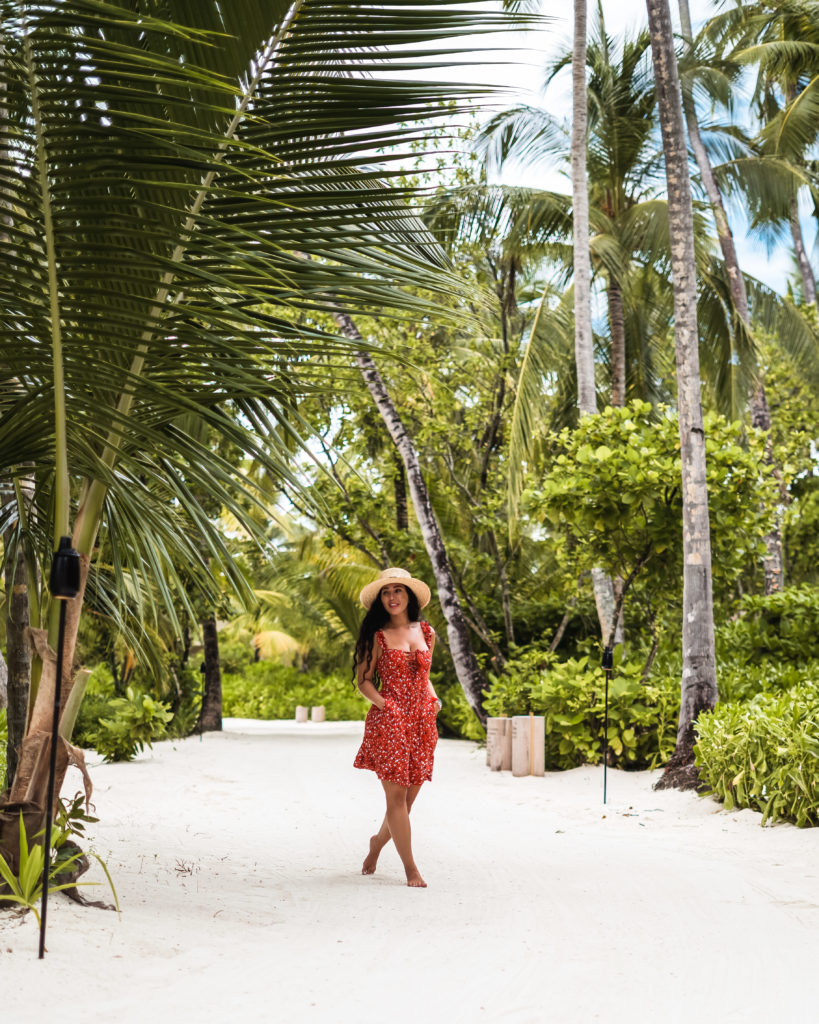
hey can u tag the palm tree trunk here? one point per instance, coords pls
(805, 269)
(399, 482)
(617, 327)
(467, 669)
(583, 340)
(699, 681)
(760, 413)
(19, 657)
(506, 593)
(210, 717)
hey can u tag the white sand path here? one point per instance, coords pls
(237, 863)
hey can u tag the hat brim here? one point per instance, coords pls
(418, 587)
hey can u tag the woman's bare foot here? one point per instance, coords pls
(415, 881)
(370, 861)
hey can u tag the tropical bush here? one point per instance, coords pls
(783, 625)
(119, 726)
(268, 690)
(133, 723)
(642, 720)
(764, 753)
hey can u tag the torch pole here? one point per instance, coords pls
(64, 584)
(52, 773)
(608, 664)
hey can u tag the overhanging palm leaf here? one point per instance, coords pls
(160, 185)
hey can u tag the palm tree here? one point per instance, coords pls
(468, 670)
(699, 681)
(758, 403)
(584, 348)
(193, 193)
(627, 221)
(782, 39)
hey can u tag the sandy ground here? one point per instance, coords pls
(237, 861)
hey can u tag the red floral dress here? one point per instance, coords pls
(399, 741)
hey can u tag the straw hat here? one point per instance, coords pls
(372, 590)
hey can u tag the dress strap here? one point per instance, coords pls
(379, 636)
(428, 632)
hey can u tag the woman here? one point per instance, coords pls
(400, 733)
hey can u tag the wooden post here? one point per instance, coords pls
(499, 744)
(528, 745)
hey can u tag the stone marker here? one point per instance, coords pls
(301, 713)
(317, 713)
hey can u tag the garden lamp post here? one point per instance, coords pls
(63, 583)
(608, 665)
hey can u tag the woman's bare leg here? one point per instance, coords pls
(399, 825)
(382, 836)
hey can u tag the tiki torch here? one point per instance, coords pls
(608, 665)
(64, 583)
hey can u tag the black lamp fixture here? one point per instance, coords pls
(63, 583)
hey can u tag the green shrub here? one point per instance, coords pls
(781, 626)
(101, 704)
(234, 654)
(456, 716)
(185, 702)
(269, 690)
(133, 723)
(99, 692)
(764, 754)
(741, 682)
(642, 722)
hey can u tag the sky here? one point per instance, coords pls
(519, 73)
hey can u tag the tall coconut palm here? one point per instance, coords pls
(165, 188)
(758, 403)
(699, 681)
(627, 222)
(584, 347)
(782, 39)
(468, 670)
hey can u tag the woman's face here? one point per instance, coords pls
(395, 598)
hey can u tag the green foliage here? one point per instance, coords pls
(783, 625)
(456, 716)
(118, 726)
(25, 886)
(570, 695)
(185, 703)
(742, 682)
(770, 644)
(234, 654)
(764, 754)
(269, 690)
(614, 497)
(134, 721)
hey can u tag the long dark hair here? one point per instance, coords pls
(376, 618)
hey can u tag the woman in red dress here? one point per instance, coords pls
(395, 648)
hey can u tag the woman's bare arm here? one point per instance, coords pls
(366, 671)
(431, 646)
